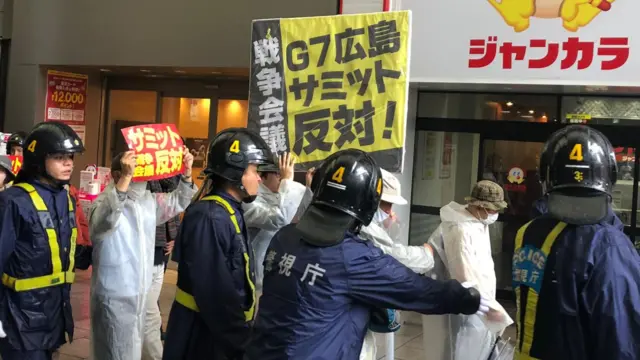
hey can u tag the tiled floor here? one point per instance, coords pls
(408, 340)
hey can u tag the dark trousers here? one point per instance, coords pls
(26, 355)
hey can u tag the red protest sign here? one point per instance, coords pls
(16, 164)
(158, 148)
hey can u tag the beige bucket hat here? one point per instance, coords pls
(487, 194)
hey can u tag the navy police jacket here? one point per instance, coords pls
(216, 273)
(577, 291)
(35, 319)
(316, 301)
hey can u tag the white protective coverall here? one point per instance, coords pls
(462, 251)
(122, 228)
(267, 214)
(416, 258)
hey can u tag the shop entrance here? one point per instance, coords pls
(462, 138)
(200, 108)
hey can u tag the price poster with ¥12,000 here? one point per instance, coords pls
(66, 99)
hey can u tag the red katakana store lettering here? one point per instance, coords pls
(610, 52)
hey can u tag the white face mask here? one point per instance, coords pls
(380, 216)
(491, 218)
(136, 190)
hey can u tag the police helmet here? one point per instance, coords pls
(578, 156)
(270, 167)
(316, 179)
(48, 138)
(578, 171)
(350, 182)
(347, 189)
(16, 139)
(232, 151)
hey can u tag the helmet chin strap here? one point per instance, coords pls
(246, 198)
(42, 171)
(55, 182)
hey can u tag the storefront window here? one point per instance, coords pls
(622, 194)
(421, 228)
(446, 167)
(601, 110)
(529, 108)
(232, 113)
(191, 116)
(514, 165)
(127, 108)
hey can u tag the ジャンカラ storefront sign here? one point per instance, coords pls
(571, 42)
(323, 84)
(158, 149)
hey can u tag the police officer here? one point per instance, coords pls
(215, 300)
(15, 144)
(575, 272)
(322, 280)
(37, 246)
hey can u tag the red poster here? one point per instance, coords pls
(16, 164)
(158, 148)
(66, 97)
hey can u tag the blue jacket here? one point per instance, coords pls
(212, 269)
(317, 300)
(34, 319)
(588, 299)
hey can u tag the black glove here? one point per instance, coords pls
(470, 301)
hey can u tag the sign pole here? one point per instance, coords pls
(390, 338)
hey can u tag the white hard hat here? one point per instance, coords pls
(391, 189)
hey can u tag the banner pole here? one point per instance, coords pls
(390, 338)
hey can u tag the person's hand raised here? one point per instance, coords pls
(128, 163)
(287, 162)
(309, 176)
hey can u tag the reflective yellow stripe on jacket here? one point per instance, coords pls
(57, 276)
(523, 352)
(187, 300)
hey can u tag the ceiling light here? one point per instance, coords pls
(145, 70)
(216, 72)
(180, 71)
(105, 70)
(531, 111)
(509, 103)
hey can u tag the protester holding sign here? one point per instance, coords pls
(122, 225)
(278, 199)
(215, 304)
(37, 246)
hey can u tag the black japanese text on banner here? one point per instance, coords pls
(323, 84)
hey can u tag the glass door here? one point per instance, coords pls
(192, 117)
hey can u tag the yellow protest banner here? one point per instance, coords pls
(323, 84)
